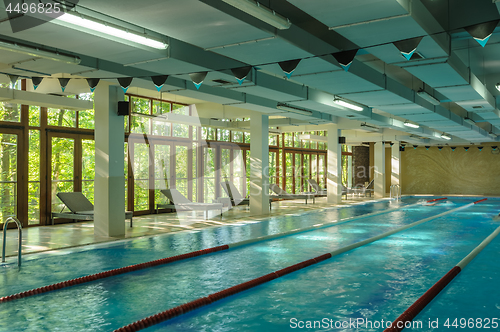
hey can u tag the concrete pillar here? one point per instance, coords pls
(334, 166)
(109, 185)
(395, 164)
(259, 163)
(379, 171)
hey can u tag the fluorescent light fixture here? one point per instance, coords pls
(35, 52)
(261, 12)
(102, 27)
(344, 103)
(428, 97)
(469, 121)
(411, 124)
(293, 109)
(497, 86)
(446, 137)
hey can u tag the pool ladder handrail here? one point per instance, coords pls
(395, 191)
(20, 238)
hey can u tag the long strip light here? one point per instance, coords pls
(344, 103)
(35, 52)
(411, 124)
(428, 97)
(102, 27)
(261, 12)
(293, 109)
(446, 137)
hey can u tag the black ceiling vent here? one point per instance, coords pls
(221, 81)
(477, 107)
(350, 116)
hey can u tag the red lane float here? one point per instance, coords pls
(406, 317)
(437, 199)
(203, 301)
(481, 200)
(412, 312)
(111, 273)
(167, 260)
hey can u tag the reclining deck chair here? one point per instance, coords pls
(181, 203)
(80, 207)
(281, 194)
(318, 191)
(235, 196)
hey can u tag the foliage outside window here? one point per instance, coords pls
(61, 118)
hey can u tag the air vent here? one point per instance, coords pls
(350, 116)
(477, 107)
(221, 81)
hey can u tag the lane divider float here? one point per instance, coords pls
(203, 301)
(409, 314)
(167, 260)
(437, 199)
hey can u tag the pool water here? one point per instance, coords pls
(374, 282)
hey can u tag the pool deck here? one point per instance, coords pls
(47, 238)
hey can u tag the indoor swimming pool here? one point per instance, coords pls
(375, 282)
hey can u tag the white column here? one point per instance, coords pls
(379, 172)
(109, 185)
(334, 166)
(395, 164)
(259, 163)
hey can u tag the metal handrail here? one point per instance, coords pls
(20, 238)
(395, 191)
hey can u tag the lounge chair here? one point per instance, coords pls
(80, 207)
(235, 196)
(180, 203)
(281, 194)
(318, 191)
(361, 189)
(233, 193)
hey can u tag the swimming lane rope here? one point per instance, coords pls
(167, 260)
(203, 301)
(409, 314)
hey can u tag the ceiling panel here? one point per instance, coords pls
(402, 109)
(472, 105)
(347, 12)
(263, 52)
(376, 98)
(436, 75)
(424, 117)
(459, 93)
(367, 35)
(266, 93)
(336, 82)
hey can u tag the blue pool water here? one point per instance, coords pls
(374, 282)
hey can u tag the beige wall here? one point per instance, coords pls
(388, 168)
(471, 172)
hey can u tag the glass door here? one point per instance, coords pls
(9, 151)
(182, 164)
(140, 160)
(163, 176)
(62, 169)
